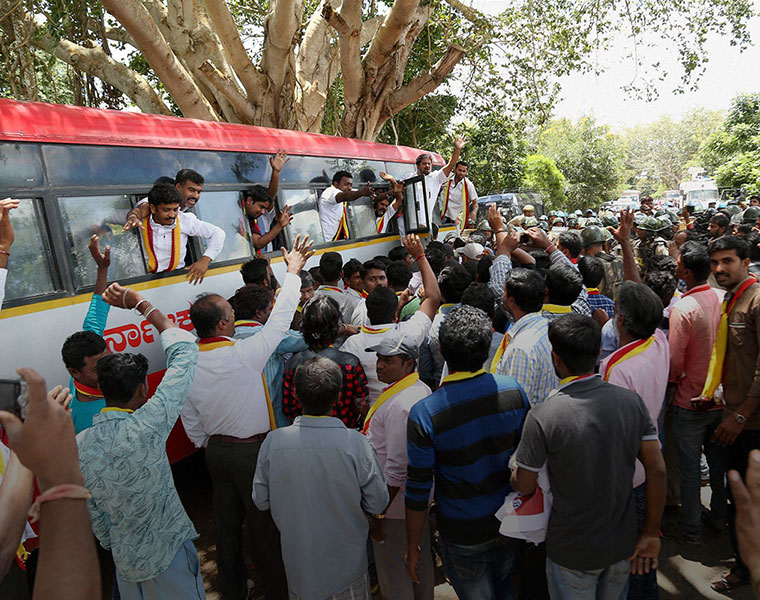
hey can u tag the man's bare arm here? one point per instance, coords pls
(136, 216)
(458, 145)
(277, 162)
(283, 220)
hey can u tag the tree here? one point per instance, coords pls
(589, 157)
(732, 153)
(656, 155)
(542, 174)
(348, 64)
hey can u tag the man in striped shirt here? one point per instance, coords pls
(461, 437)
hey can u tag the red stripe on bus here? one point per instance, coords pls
(59, 124)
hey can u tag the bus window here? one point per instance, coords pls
(400, 170)
(20, 165)
(224, 210)
(361, 218)
(415, 205)
(103, 216)
(227, 167)
(108, 165)
(305, 215)
(29, 266)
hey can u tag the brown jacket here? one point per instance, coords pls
(741, 369)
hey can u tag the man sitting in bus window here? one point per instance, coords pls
(259, 207)
(387, 204)
(165, 233)
(189, 183)
(263, 218)
(333, 212)
(82, 350)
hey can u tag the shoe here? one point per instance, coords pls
(671, 531)
(728, 581)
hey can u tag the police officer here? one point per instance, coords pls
(594, 238)
(649, 241)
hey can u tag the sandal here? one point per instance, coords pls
(728, 582)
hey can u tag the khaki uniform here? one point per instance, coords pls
(644, 250)
(613, 273)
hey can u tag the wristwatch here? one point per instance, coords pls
(740, 418)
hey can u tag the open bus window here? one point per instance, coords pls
(305, 221)
(104, 216)
(29, 267)
(415, 205)
(224, 210)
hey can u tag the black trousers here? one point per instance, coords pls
(232, 466)
(737, 456)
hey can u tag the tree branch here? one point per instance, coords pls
(138, 22)
(468, 12)
(253, 81)
(427, 82)
(97, 63)
(394, 26)
(219, 81)
(348, 24)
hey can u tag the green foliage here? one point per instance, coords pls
(541, 173)
(425, 124)
(588, 155)
(656, 155)
(732, 153)
(495, 150)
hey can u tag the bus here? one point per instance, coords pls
(78, 171)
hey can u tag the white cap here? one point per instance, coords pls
(473, 250)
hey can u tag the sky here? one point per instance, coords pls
(728, 73)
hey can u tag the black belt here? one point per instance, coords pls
(259, 437)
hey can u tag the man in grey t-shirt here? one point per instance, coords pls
(590, 433)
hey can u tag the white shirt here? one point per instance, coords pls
(383, 222)
(264, 223)
(346, 303)
(387, 434)
(456, 204)
(416, 328)
(359, 316)
(227, 396)
(188, 227)
(3, 277)
(330, 212)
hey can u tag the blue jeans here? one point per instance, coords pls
(483, 571)
(692, 431)
(610, 583)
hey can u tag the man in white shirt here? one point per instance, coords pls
(459, 199)
(382, 306)
(333, 212)
(387, 204)
(259, 207)
(434, 179)
(6, 240)
(228, 411)
(331, 269)
(165, 233)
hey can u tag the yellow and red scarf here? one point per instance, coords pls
(593, 291)
(499, 353)
(342, 233)
(86, 390)
(718, 356)
(393, 389)
(626, 352)
(212, 343)
(465, 203)
(375, 330)
(150, 251)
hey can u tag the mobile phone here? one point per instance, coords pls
(14, 397)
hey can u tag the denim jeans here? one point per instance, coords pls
(610, 583)
(693, 430)
(483, 571)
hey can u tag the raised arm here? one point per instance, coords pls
(282, 221)
(458, 145)
(6, 230)
(68, 565)
(123, 297)
(623, 236)
(432, 299)
(277, 162)
(352, 195)
(103, 260)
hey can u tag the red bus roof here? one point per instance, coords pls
(63, 124)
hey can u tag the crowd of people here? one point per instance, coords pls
(369, 417)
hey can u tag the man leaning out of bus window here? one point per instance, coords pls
(165, 236)
(189, 183)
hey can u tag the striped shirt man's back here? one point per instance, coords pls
(464, 434)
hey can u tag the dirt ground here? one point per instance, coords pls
(685, 571)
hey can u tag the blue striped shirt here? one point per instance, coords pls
(462, 436)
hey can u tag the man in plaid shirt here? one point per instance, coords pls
(592, 271)
(321, 316)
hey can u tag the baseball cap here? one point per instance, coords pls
(394, 344)
(473, 250)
